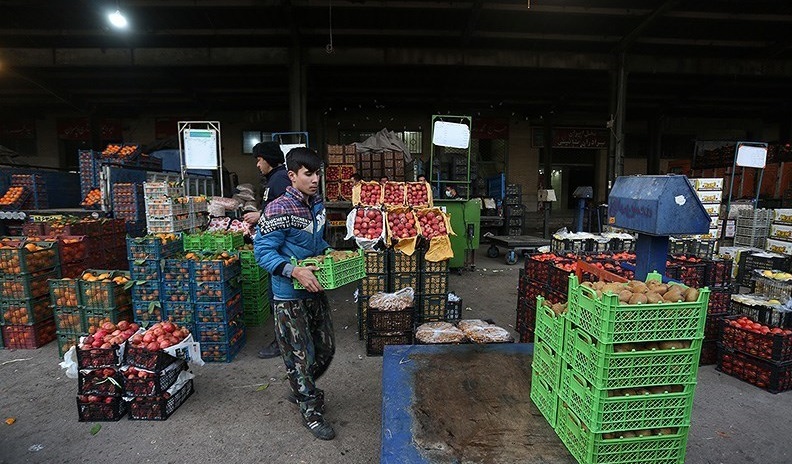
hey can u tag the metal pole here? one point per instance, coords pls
(621, 111)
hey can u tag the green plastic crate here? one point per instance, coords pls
(334, 274)
(549, 326)
(18, 260)
(255, 318)
(24, 286)
(65, 341)
(254, 274)
(248, 259)
(591, 448)
(193, 242)
(104, 295)
(254, 300)
(25, 312)
(221, 241)
(64, 292)
(93, 317)
(602, 412)
(599, 365)
(545, 397)
(610, 322)
(546, 364)
(69, 320)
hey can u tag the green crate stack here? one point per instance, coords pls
(221, 241)
(255, 291)
(627, 375)
(193, 242)
(64, 295)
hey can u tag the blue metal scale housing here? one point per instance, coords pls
(655, 207)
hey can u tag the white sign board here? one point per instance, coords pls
(200, 149)
(451, 134)
(751, 156)
(287, 147)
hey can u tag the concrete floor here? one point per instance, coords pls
(230, 419)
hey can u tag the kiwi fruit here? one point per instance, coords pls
(625, 295)
(692, 294)
(638, 298)
(653, 297)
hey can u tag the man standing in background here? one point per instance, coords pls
(270, 162)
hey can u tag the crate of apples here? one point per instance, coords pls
(142, 382)
(433, 223)
(145, 349)
(368, 223)
(101, 347)
(751, 337)
(402, 224)
(100, 408)
(418, 194)
(394, 193)
(370, 193)
(104, 381)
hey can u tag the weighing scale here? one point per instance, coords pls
(655, 207)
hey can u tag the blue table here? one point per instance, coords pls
(402, 368)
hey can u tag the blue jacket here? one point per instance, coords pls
(291, 226)
(277, 182)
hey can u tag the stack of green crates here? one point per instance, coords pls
(255, 290)
(627, 375)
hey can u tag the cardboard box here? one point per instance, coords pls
(781, 231)
(778, 246)
(708, 184)
(710, 196)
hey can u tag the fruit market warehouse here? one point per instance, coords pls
(685, 71)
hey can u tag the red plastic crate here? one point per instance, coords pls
(773, 347)
(770, 376)
(29, 337)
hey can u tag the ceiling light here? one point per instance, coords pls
(117, 19)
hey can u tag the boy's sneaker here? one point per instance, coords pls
(320, 428)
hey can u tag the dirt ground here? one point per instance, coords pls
(233, 418)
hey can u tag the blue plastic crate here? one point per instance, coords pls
(217, 332)
(145, 270)
(215, 270)
(151, 247)
(177, 291)
(224, 352)
(218, 312)
(147, 312)
(181, 313)
(146, 291)
(496, 186)
(216, 291)
(178, 269)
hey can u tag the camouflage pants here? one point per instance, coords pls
(304, 332)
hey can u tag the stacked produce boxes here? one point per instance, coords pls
(513, 209)
(34, 183)
(753, 227)
(103, 296)
(627, 373)
(129, 204)
(64, 296)
(341, 164)
(217, 295)
(780, 239)
(99, 388)
(167, 211)
(433, 290)
(388, 271)
(25, 311)
(718, 280)
(710, 192)
(149, 261)
(255, 290)
(378, 267)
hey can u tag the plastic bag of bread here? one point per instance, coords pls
(479, 331)
(397, 301)
(439, 332)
